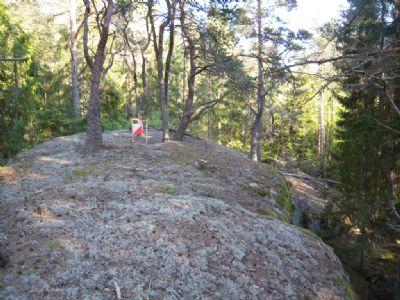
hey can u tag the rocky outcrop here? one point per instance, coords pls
(157, 221)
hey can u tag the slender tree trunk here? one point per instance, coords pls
(128, 90)
(132, 71)
(184, 77)
(329, 138)
(86, 54)
(170, 48)
(245, 126)
(272, 115)
(321, 133)
(208, 126)
(257, 134)
(136, 87)
(145, 92)
(163, 101)
(188, 109)
(128, 101)
(159, 51)
(143, 103)
(74, 58)
(219, 125)
(93, 131)
(16, 94)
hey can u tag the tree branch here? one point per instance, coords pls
(203, 108)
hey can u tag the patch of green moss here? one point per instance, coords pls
(38, 261)
(54, 244)
(350, 294)
(265, 194)
(166, 190)
(309, 233)
(80, 172)
(285, 197)
(211, 192)
(268, 211)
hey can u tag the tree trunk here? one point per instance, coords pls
(16, 94)
(184, 77)
(132, 71)
(321, 133)
(159, 51)
(272, 115)
(93, 131)
(245, 128)
(188, 109)
(74, 58)
(128, 90)
(257, 134)
(145, 92)
(144, 97)
(170, 48)
(136, 87)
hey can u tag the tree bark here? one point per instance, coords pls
(74, 58)
(93, 131)
(257, 130)
(188, 109)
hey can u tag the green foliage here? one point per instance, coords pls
(284, 199)
(114, 121)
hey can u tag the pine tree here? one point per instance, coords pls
(369, 142)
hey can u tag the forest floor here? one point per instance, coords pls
(190, 220)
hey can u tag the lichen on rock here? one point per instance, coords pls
(157, 226)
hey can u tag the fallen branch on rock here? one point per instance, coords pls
(309, 177)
